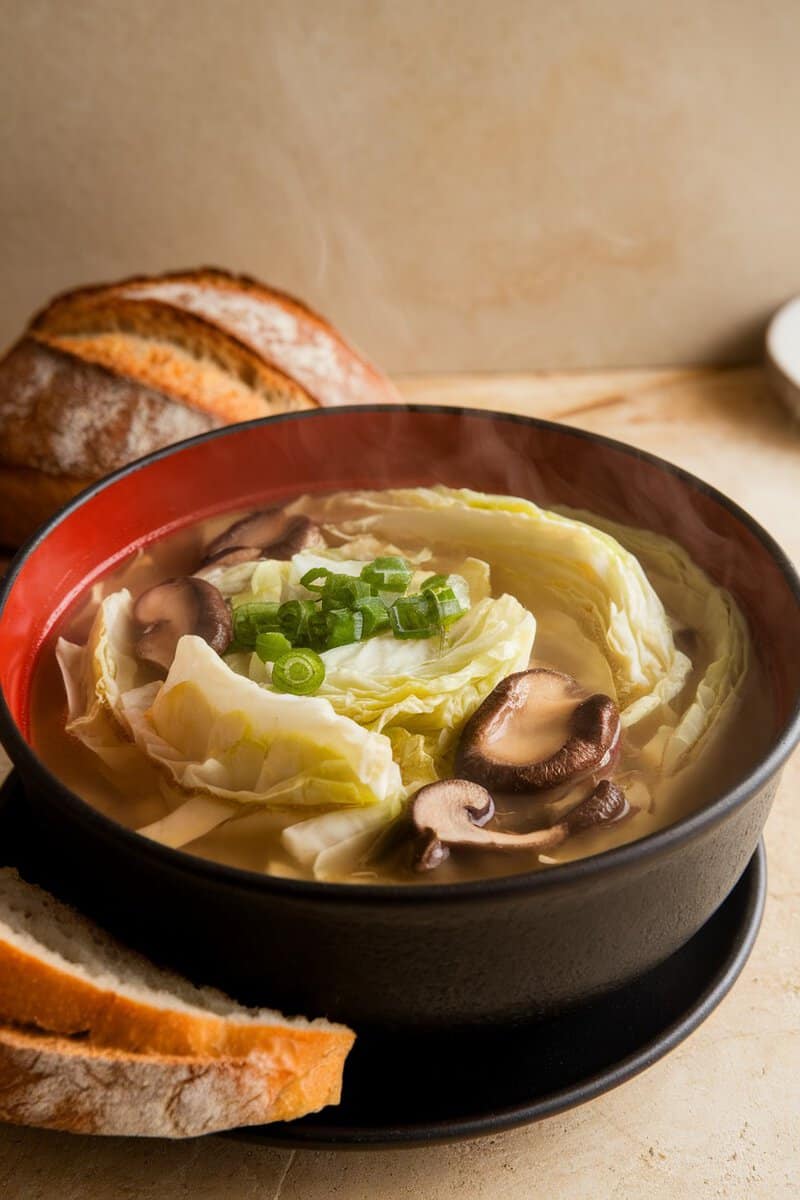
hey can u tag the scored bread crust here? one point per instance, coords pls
(280, 329)
(67, 417)
(106, 374)
(173, 351)
(56, 1083)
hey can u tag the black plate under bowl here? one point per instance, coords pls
(417, 1089)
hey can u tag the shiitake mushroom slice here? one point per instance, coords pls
(169, 610)
(268, 533)
(536, 730)
(455, 813)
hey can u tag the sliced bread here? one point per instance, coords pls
(60, 973)
(58, 1083)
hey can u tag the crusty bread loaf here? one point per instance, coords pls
(106, 374)
(60, 974)
(72, 1085)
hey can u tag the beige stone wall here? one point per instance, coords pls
(460, 184)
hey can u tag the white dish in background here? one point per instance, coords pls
(783, 353)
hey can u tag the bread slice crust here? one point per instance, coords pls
(256, 387)
(71, 1085)
(282, 330)
(90, 993)
(68, 417)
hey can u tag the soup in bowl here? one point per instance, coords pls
(406, 716)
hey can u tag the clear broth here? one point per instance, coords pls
(252, 840)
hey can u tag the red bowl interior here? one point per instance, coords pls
(331, 449)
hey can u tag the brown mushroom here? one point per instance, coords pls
(300, 534)
(230, 558)
(449, 813)
(536, 730)
(454, 812)
(269, 533)
(607, 803)
(169, 610)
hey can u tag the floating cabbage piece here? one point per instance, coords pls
(549, 562)
(333, 844)
(216, 732)
(420, 757)
(712, 614)
(423, 686)
(95, 677)
(189, 821)
(100, 671)
(230, 580)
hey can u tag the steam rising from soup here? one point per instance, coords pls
(586, 681)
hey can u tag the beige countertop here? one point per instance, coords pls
(720, 1116)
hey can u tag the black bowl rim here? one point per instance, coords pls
(565, 875)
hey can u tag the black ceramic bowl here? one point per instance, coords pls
(497, 949)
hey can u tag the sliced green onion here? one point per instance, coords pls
(375, 615)
(414, 617)
(389, 574)
(448, 607)
(299, 671)
(343, 591)
(315, 579)
(337, 627)
(270, 646)
(249, 620)
(318, 630)
(293, 619)
(434, 581)
(344, 626)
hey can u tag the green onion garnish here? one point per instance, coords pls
(414, 617)
(375, 615)
(344, 626)
(448, 608)
(315, 579)
(390, 574)
(249, 620)
(347, 609)
(337, 627)
(293, 618)
(299, 671)
(270, 646)
(434, 581)
(343, 591)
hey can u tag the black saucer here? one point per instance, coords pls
(418, 1089)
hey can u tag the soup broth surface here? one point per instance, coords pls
(252, 839)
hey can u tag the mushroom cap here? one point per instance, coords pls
(607, 803)
(256, 529)
(537, 729)
(169, 610)
(448, 813)
(454, 812)
(301, 533)
(270, 532)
